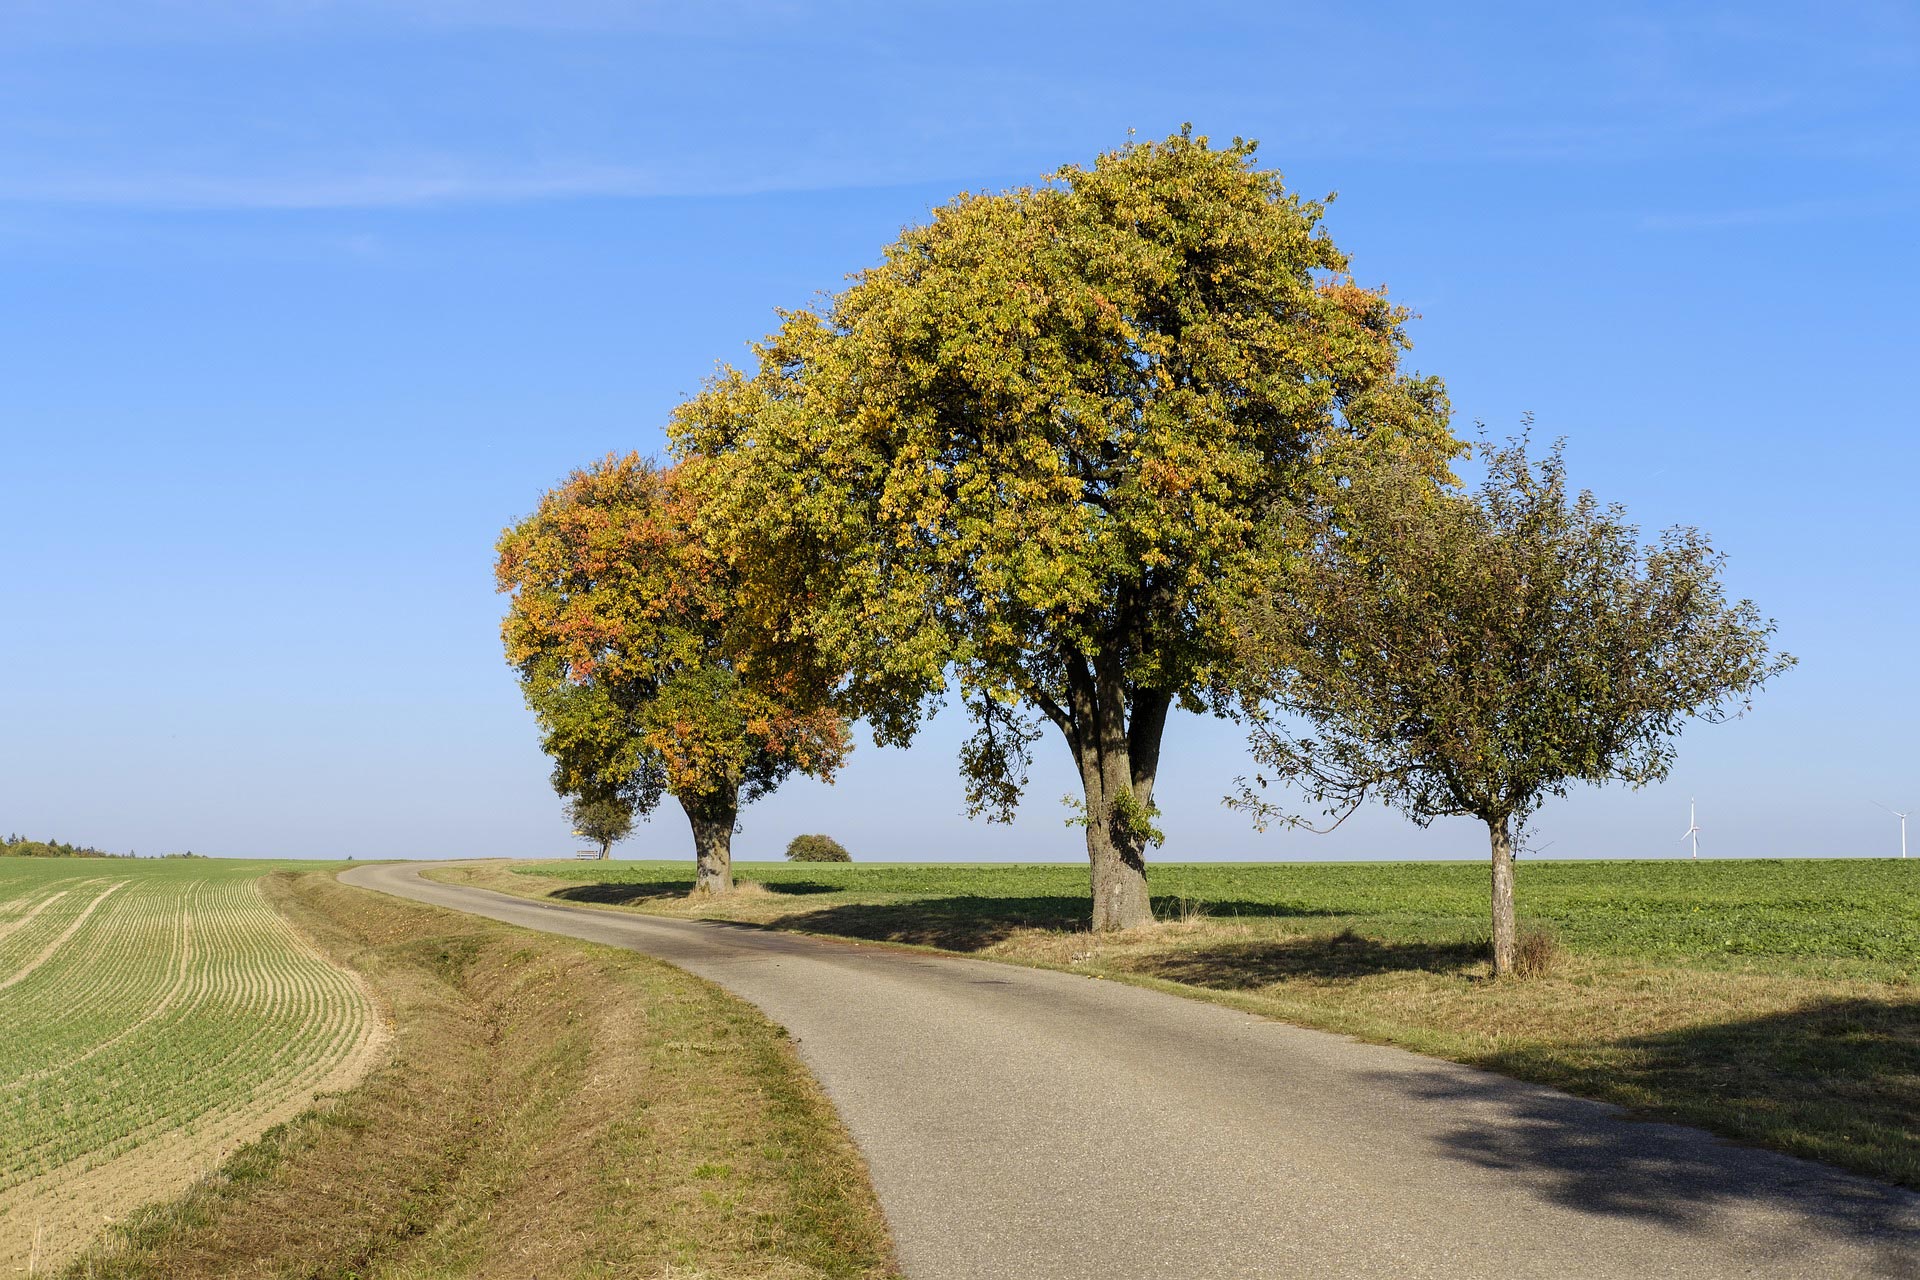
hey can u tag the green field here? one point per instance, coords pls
(1773, 1001)
(1832, 917)
(156, 1011)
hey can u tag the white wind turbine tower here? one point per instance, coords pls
(1903, 825)
(1693, 828)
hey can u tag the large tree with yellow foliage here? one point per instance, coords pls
(634, 656)
(1030, 450)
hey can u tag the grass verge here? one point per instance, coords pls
(551, 1108)
(1771, 1002)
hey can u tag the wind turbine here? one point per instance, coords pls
(1693, 828)
(1903, 825)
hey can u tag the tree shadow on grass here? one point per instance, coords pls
(1171, 906)
(1859, 1056)
(957, 922)
(974, 922)
(1248, 966)
(962, 922)
(619, 893)
(1838, 1079)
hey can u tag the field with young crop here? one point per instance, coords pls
(156, 1013)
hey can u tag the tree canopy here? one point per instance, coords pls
(638, 666)
(1032, 448)
(817, 848)
(604, 819)
(1474, 654)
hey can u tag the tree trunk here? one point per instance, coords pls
(1117, 857)
(712, 816)
(1114, 732)
(1116, 744)
(606, 850)
(1503, 928)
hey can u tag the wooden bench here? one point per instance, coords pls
(588, 853)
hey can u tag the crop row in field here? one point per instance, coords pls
(148, 1003)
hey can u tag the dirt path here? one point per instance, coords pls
(1043, 1125)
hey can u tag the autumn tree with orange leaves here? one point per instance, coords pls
(639, 665)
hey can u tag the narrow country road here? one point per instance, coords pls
(1032, 1125)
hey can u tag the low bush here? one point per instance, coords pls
(817, 849)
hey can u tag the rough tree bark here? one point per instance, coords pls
(1114, 733)
(1116, 854)
(1504, 935)
(712, 816)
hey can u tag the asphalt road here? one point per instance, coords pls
(1031, 1125)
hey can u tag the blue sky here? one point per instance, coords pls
(300, 303)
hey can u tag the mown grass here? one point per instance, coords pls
(550, 1108)
(1772, 1001)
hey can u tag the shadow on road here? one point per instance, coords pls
(1763, 1078)
(958, 923)
(618, 893)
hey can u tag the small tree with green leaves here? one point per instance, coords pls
(1456, 654)
(604, 819)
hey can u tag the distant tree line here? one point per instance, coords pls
(18, 846)
(1076, 455)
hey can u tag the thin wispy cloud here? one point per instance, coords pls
(176, 21)
(347, 191)
(394, 104)
(1787, 214)
(344, 190)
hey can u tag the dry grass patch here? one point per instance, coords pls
(551, 1108)
(1538, 953)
